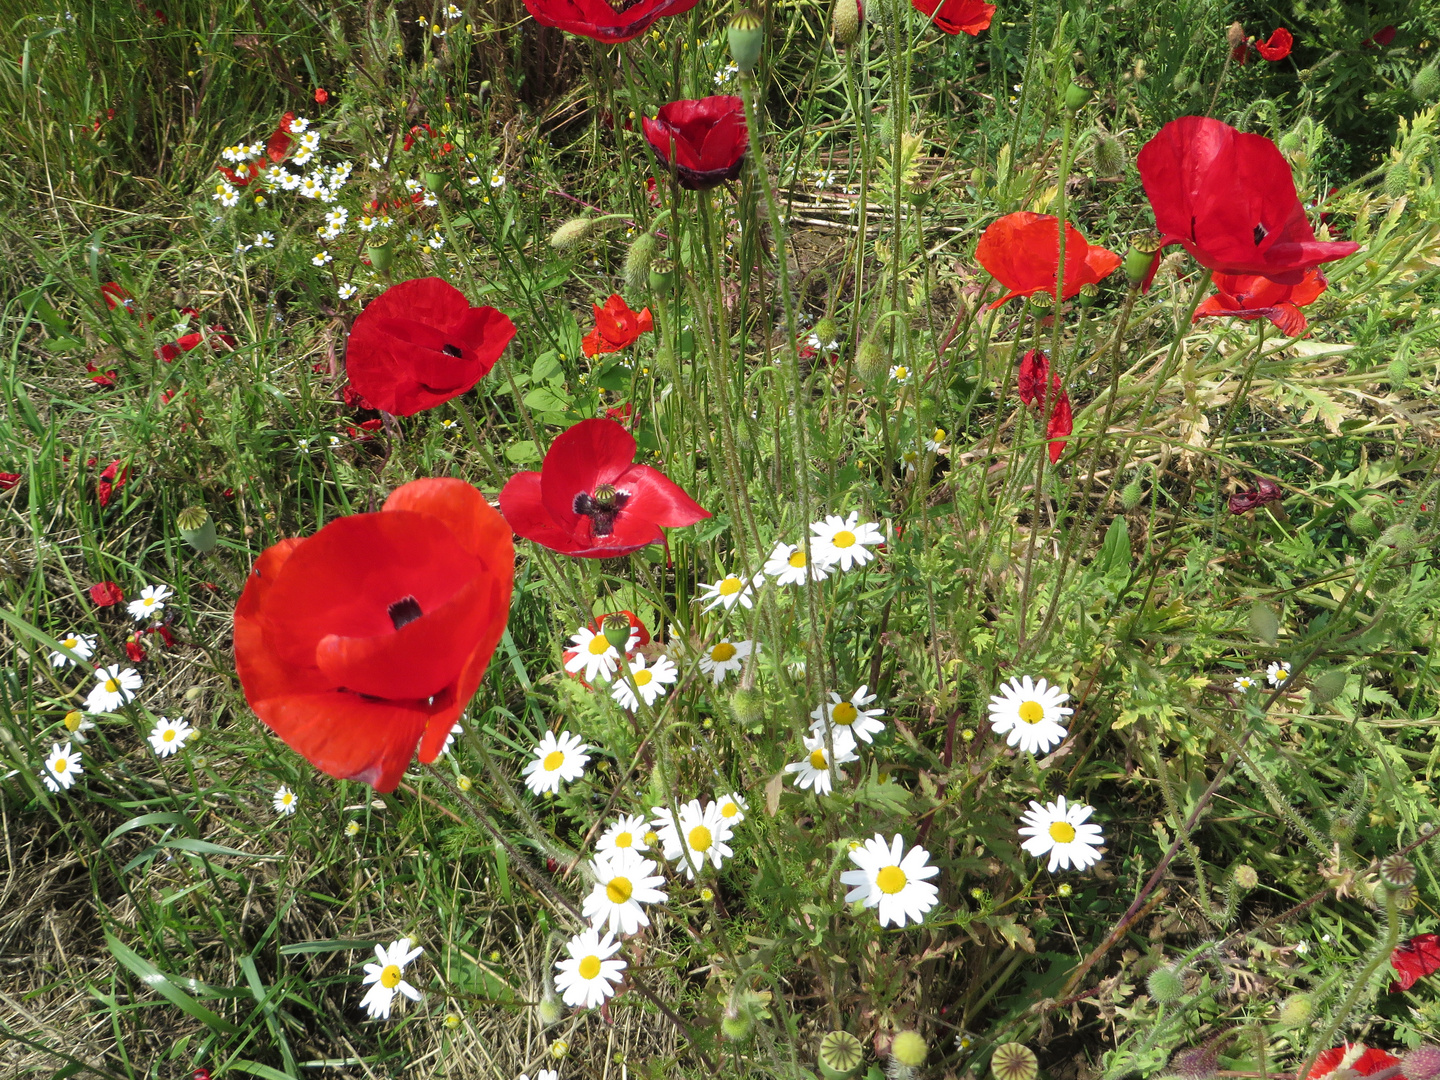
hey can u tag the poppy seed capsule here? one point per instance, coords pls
(1140, 257)
(197, 528)
(662, 275)
(747, 35)
(381, 256)
(1079, 92)
(1396, 871)
(845, 22)
(840, 1055)
(616, 629)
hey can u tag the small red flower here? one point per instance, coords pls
(111, 481)
(616, 327)
(1278, 47)
(133, 649)
(1266, 490)
(1228, 198)
(651, 191)
(1059, 426)
(420, 343)
(599, 20)
(1030, 386)
(117, 295)
(368, 639)
(1414, 959)
(321, 95)
(1030, 380)
(1022, 252)
(1252, 296)
(1355, 1057)
(417, 131)
(9, 480)
(591, 501)
(200, 1074)
(1379, 39)
(106, 594)
(166, 635)
(99, 377)
(957, 16)
(703, 140)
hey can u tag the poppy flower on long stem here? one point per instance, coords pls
(703, 140)
(957, 16)
(599, 20)
(591, 501)
(1358, 1060)
(1252, 296)
(369, 638)
(1278, 47)
(1228, 198)
(1022, 252)
(420, 343)
(616, 327)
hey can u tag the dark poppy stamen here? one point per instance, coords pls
(405, 611)
(452, 350)
(601, 507)
(1260, 234)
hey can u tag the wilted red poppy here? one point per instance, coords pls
(1030, 380)
(1253, 296)
(1059, 426)
(360, 642)
(1355, 1057)
(590, 500)
(597, 19)
(1266, 490)
(111, 481)
(1030, 386)
(1278, 47)
(1414, 959)
(708, 138)
(100, 377)
(420, 343)
(134, 649)
(1228, 198)
(106, 594)
(616, 327)
(1022, 252)
(956, 16)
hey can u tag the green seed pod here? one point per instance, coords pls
(909, 1048)
(1041, 303)
(1264, 622)
(642, 253)
(1362, 524)
(1246, 877)
(434, 181)
(1132, 494)
(1396, 871)
(840, 1056)
(1079, 92)
(197, 528)
(616, 629)
(662, 275)
(1296, 1010)
(1108, 154)
(1401, 537)
(845, 22)
(1014, 1061)
(747, 35)
(1141, 257)
(1397, 372)
(1089, 293)
(748, 705)
(1397, 180)
(571, 233)
(1425, 84)
(381, 256)
(1165, 986)
(872, 363)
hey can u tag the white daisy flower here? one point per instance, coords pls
(700, 834)
(82, 645)
(264, 240)
(648, 682)
(730, 590)
(338, 217)
(813, 770)
(273, 176)
(623, 881)
(255, 149)
(150, 602)
(230, 199)
(261, 202)
(595, 655)
(895, 886)
(366, 223)
(290, 181)
(334, 441)
(437, 241)
(430, 199)
(861, 722)
(556, 761)
(61, 767)
(1243, 683)
(627, 834)
(1030, 714)
(899, 374)
(113, 688)
(452, 12)
(76, 725)
(454, 733)
(286, 802)
(588, 975)
(732, 808)
(413, 186)
(309, 140)
(303, 445)
(786, 565)
(814, 339)
(1061, 830)
(386, 977)
(842, 542)
(1277, 672)
(167, 736)
(448, 426)
(474, 181)
(298, 125)
(497, 179)
(347, 290)
(937, 443)
(320, 258)
(725, 657)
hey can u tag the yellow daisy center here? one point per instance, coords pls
(390, 977)
(148, 601)
(619, 890)
(729, 810)
(111, 686)
(169, 735)
(72, 720)
(700, 838)
(817, 759)
(843, 539)
(890, 879)
(1062, 832)
(598, 646)
(651, 837)
(901, 371)
(287, 798)
(553, 760)
(70, 642)
(61, 764)
(643, 677)
(844, 713)
(939, 435)
(1032, 712)
(589, 967)
(624, 839)
(730, 586)
(722, 652)
(797, 560)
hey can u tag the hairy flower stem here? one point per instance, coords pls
(1381, 952)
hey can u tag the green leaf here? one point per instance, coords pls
(522, 451)
(547, 399)
(254, 1068)
(546, 364)
(329, 945)
(165, 817)
(158, 981)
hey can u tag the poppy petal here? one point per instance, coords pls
(587, 454)
(658, 498)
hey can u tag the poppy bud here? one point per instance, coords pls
(871, 362)
(197, 528)
(1079, 92)
(1132, 494)
(1108, 154)
(1296, 1010)
(748, 705)
(909, 1048)
(1165, 986)
(571, 233)
(1425, 84)
(840, 1055)
(827, 332)
(1141, 257)
(638, 259)
(1397, 180)
(662, 275)
(1362, 524)
(1400, 537)
(1398, 371)
(747, 35)
(1235, 36)
(549, 1010)
(845, 22)
(1264, 622)
(381, 256)
(616, 628)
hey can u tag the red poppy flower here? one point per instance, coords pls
(1228, 198)
(117, 295)
(621, 414)
(1253, 296)
(106, 594)
(955, 16)
(1414, 959)
(9, 480)
(589, 499)
(321, 95)
(99, 377)
(1022, 252)
(1279, 45)
(420, 343)
(616, 327)
(133, 649)
(360, 642)
(1030, 385)
(1030, 380)
(111, 481)
(599, 20)
(1379, 39)
(1266, 490)
(1355, 1057)
(1060, 425)
(708, 139)
(166, 635)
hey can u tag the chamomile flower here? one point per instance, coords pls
(1031, 715)
(850, 715)
(413, 186)
(449, 426)
(347, 290)
(813, 770)
(693, 836)
(896, 886)
(1277, 672)
(298, 125)
(938, 443)
(627, 834)
(623, 881)
(227, 196)
(730, 590)
(338, 217)
(76, 725)
(497, 180)
(303, 445)
(556, 761)
(167, 736)
(900, 374)
(648, 682)
(320, 258)
(732, 808)
(387, 977)
(309, 140)
(843, 542)
(61, 767)
(1060, 829)
(726, 656)
(452, 13)
(311, 186)
(113, 688)
(437, 241)
(595, 659)
(366, 223)
(286, 802)
(290, 181)
(430, 199)
(264, 240)
(1243, 683)
(787, 566)
(588, 975)
(82, 645)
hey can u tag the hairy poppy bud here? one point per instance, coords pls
(381, 256)
(1400, 537)
(748, 705)
(638, 259)
(845, 22)
(1397, 180)
(571, 233)
(1264, 622)
(1291, 143)
(840, 1055)
(827, 332)
(1141, 257)
(1296, 1010)
(549, 1010)
(1108, 154)
(1425, 84)
(1362, 524)
(1235, 35)
(871, 362)
(1398, 371)
(197, 528)
(1165, 985)
(747, 35)
(1132, 494)
(909, 1048)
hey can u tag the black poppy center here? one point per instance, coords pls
(405, 611)
(1260, 234)
(601, 506)
(452, 350)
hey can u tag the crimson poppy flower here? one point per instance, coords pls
(133, 649)
(707, 138)
(1253, 296)
(616, 327)
(100, 377)
(1278, 47)
(1228, 198)
(1414, 959)
(621, 414)
(111, 481)
(420, 343)
(1266, 490)
(1379, 39)
(1060, 425)
(955, 16)
(166, 635)
(360, 642)
(1022, 252)
(9, 480)
(106, 594)
(589, 500)
(1030, 386)
(1365, 1060)
(1030, 380)
(321, 95)
(599, 20)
